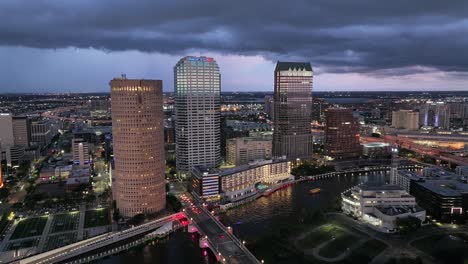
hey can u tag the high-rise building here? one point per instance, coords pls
(6, 131)
(435, 114)
(247, 149)
(292, 110)
(138, 143)
(7, 139)
(341, 134)
(268, 106)
(41, 132)
(405, 119)
(21, 131)
(197, 83)
(80, 150)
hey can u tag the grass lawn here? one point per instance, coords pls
(65, 222)
(446, 248)
(365, 253)
(338, 245)
(320, 234)
(22, 244)
(4, 222)
(60, 240)
(98, 217)
(30, 227)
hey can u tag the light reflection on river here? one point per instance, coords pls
(248, 221)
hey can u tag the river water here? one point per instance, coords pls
(248, 221)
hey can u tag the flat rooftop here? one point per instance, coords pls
(398, 210)
(445, 187)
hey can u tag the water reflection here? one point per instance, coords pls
(180, 247)
(250, 219)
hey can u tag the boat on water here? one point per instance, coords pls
(315, 191)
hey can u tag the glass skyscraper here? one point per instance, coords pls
(197, 83)
(292, 110)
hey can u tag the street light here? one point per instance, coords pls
(262, 261)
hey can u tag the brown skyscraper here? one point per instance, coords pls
(138, 140)
(341, 134)
(292, 110)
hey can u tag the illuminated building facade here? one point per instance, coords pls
(197, 108)
(381, 206)
(240, 182)
(138, 141)
(341, 134)
(292, 110)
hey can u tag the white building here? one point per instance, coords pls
(381, 206)
(80, 150)
(197, 82)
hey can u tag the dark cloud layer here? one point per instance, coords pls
(366, 36)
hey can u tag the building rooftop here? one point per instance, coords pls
(398, 210)
(376, 145)
(386, 187)
(445, 187)
(285, 66)
(202, 169)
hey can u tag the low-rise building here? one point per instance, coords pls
(205, 181)
(375, 149)
(240, 182)
(443, 194)
(381, 206)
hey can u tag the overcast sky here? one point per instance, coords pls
(354, 45)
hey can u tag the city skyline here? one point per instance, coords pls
(62, 47)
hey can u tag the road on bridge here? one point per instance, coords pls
(231, 249)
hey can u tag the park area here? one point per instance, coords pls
(98, 217)
(331, 242)
(65, 222)
(29, 227)
(445, 248)
(60, 240)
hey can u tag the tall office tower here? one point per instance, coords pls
(341, 134)
(21, 131)
(41, 132)
(292, 110)
(405, 119)
(268, 106)
(197, 83)
(80, 150)
(7, 139)
(138, 140)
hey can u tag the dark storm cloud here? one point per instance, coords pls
(366, 36)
